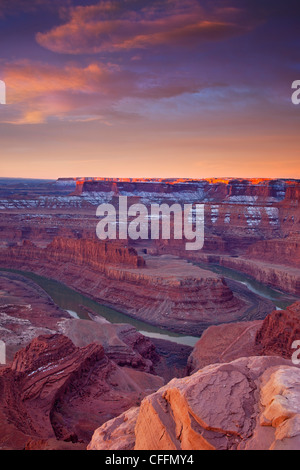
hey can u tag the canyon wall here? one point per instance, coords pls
(164, 291)
(279, 331)
(254, 225)
(238, 212)
(85, 252)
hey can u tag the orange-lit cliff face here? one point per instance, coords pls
(80, 180)
(212, 189)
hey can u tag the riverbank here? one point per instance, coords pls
(77, 305)
(28, 312)
(167, 291)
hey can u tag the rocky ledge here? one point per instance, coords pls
(251, 403)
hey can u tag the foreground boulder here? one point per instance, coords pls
(55, 394)
(251, 403)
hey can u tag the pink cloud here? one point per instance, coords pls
(38, 91)
(107, 27)
(26, 79)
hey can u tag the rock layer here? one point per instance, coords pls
(167, 291)
(224, 343)
(58, 392)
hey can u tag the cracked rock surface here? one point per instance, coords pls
(250, 403)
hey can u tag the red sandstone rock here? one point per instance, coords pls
(278, 332)
(58, 391)
(272, 337)
(285, 278)
(222, 407)
(122, 343)
(248, 218)
(224, 343)
(116, 434)
(53, 444)
(284, 251)
(167, 292)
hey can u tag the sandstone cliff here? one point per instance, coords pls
(285, 251)
(224, 343)
(257, 220)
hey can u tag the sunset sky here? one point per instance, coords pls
(149, 88)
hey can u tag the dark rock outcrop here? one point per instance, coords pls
(273, 336)
(55, 391)
(279, 331)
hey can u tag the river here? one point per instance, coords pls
(72, 301)
(280, 299)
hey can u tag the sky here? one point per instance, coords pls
(149, 88)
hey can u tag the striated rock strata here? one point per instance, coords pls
(26, 312)
(54, 391)
(166, 291)
(252, 225)
(283, 277)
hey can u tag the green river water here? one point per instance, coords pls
(72, 301)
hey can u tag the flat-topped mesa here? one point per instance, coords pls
(207, 190)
